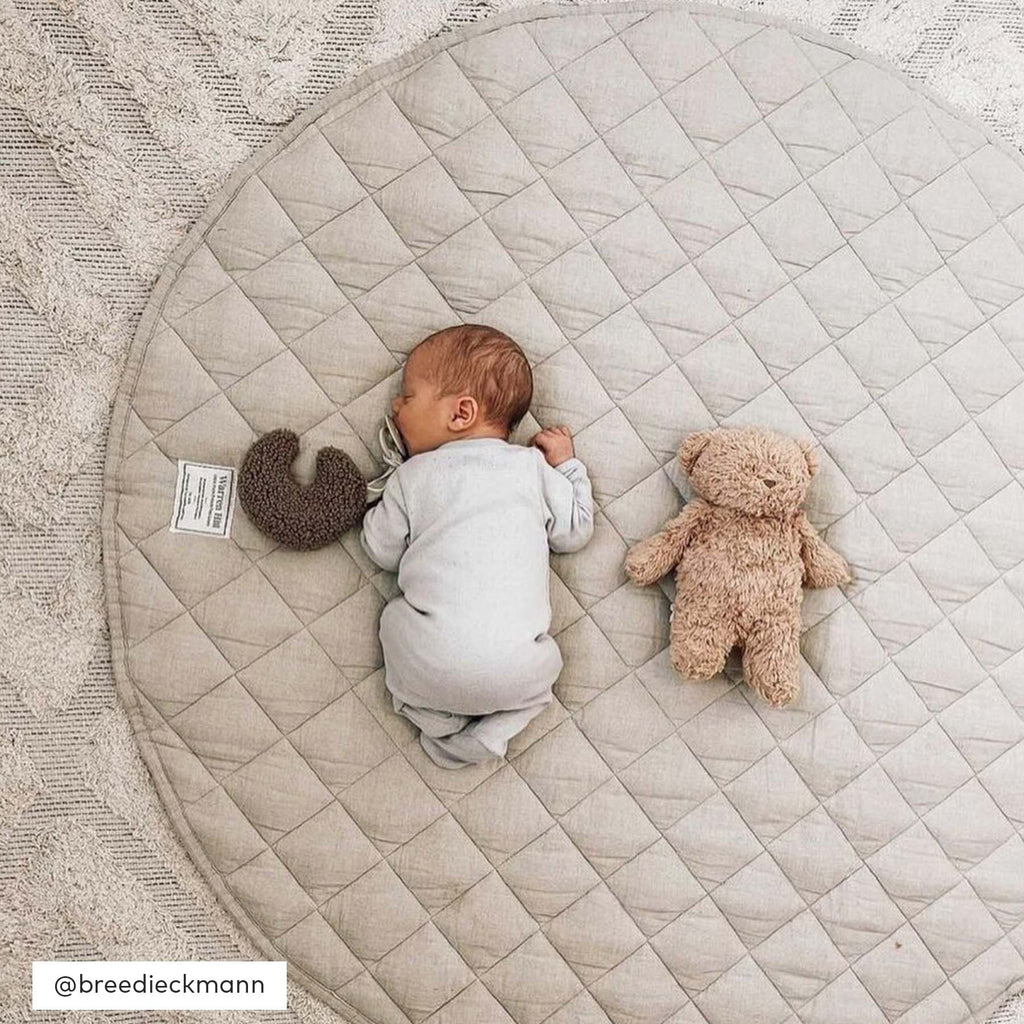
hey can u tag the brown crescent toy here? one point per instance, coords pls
(301, 516)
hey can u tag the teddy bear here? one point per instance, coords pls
(744, 548)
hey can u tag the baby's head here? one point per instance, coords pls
(465, 381)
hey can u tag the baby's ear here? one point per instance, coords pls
(809, 457)
(690, 449)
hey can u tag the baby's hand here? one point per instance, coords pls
(555, 443)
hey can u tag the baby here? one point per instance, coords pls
(466, 521)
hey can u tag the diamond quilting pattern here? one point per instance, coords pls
(687, 219)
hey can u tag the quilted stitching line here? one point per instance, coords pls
(375, 192)
(222, 391)
(266, 845)
(383, 857)
(269, 847)
(808, 905)
(692, 263)
(646, 942)
(873, 401)
(709, 892)
(804, 179)
(282, 735)
(557, 819)
(398, 749)
(907, 921)
(366, 581)
(717, 420)
(961, 515)
(918, 820)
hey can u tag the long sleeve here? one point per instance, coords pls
(385, 532)
(569, 504)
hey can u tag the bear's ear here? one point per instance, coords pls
(692, 446)
(809, 457)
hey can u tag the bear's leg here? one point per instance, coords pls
(699, 641)
(771, 659)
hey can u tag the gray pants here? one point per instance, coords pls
(454, 741)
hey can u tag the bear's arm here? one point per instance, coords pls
(648, 560)
(823, 567)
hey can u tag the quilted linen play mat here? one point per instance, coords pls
(687, 217)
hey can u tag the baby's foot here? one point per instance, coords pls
(456, 751)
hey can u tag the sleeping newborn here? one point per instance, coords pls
(466, 521)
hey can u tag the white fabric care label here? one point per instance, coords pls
(204, 499)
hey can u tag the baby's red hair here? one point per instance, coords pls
(481, 361)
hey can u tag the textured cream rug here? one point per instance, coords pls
(118, 120)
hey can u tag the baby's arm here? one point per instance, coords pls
(565, 488)
(385, 532)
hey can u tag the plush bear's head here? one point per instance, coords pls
(751, 469)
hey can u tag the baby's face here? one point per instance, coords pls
(421, 416)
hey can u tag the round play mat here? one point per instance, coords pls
(687, 216)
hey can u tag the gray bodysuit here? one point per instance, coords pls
(467, 527)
